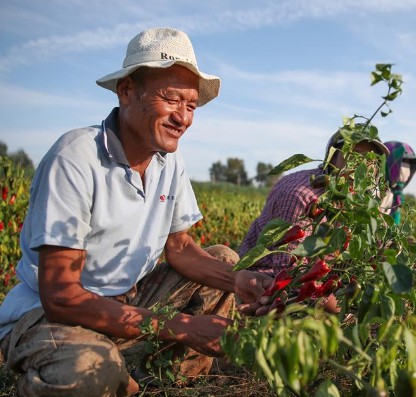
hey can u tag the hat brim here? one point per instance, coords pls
(209, 85)
(383, 148)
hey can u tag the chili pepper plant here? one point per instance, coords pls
(13, 206)
(356, 253)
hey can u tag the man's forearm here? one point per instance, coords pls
(196, 265)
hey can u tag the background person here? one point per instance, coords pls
(106, 201)
(290, 199)
(400, 168)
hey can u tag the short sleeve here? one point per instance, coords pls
(186, 212)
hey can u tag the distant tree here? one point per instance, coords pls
(22, 159)
(217, 172)
(262, 171)
(263, 177)
(236, 172)
(233, 172)
(3, 149)
(19, 157)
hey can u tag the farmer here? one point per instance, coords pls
(400, 168)
(290, 199)
(105, 202)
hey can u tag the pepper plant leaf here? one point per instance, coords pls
(273, 231)
(290, 163)
(252, 256)
(312, 245)
(399, 277)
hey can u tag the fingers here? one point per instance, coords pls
(264, 306)
(249, 309)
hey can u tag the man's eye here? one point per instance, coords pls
(172, 101)
(191, 108)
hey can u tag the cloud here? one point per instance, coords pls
(200, 20)
(21, 97)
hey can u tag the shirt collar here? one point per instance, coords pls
(111, 138)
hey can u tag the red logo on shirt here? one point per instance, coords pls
(164, 198)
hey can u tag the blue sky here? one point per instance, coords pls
(290, 69)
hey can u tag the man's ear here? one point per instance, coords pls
(125, 90)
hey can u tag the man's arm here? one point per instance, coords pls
(66, 301)
(190, 260)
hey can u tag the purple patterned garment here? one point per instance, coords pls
(399, 152)
(288, 200)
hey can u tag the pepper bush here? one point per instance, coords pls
(14, 201)
(355, 252)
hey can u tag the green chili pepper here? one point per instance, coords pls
(336, 194)
(406, 384)
(370, 296)
(352, 290)
(319, 181)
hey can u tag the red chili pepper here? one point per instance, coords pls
(347, 239)
(307, 290)
(293, 259)
(1, 226)
(313, 210)
(318, 270)
(279, 305)
(293, 234)
(281, 280)
(6, 280)
(4, 193)
(202, 239)
(12, 199)
(328, 287)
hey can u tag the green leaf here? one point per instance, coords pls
(387, 306)
(290, 163)
(399, 277)
(359, 176)
(410, 339)
(256, 253)
(311, 246)
(262, 362)
(375, 78)
(338, 237)
(392, 96)
(327, 389)
(272, 232)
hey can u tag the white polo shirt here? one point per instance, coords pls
(85, 196)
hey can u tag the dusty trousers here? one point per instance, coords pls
(60, 360)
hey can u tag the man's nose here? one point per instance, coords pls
(181, 114)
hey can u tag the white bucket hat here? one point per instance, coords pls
(162, 48)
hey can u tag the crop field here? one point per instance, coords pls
(302, 351)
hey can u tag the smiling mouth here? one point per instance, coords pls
(176, 132)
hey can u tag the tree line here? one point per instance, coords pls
(233, 171)
(19, 157)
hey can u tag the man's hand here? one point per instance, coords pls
(249, 288)
(201, 333)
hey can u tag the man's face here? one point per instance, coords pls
(161, 116)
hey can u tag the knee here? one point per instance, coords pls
(223, 253)
(78, 369)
